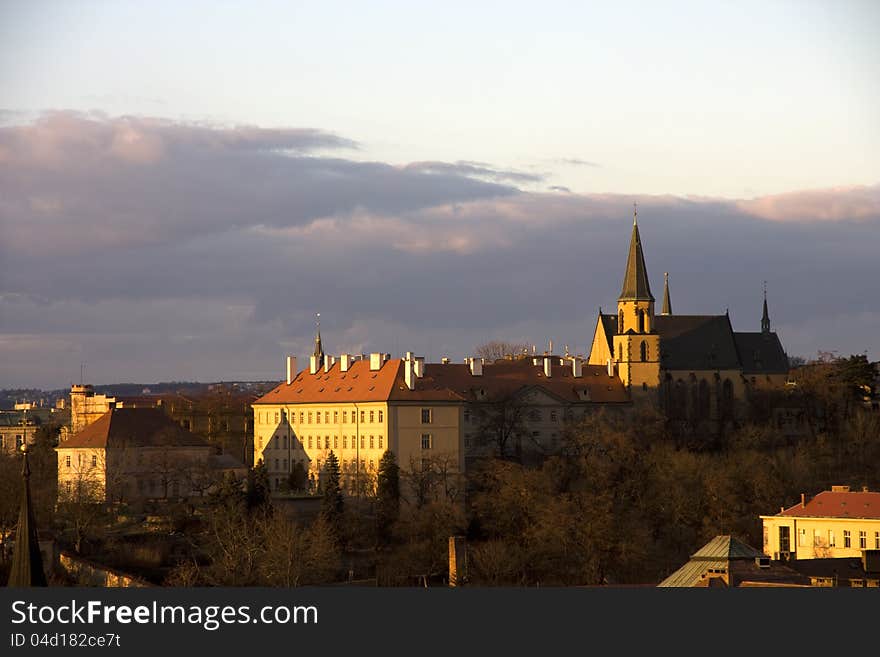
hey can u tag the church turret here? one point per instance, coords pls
(667, 304)
(765, 320)
(319, 348)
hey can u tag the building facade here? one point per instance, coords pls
(834, 524)
(428, 414)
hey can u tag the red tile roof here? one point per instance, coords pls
(838, 504)
(133, 427)
(450, 383)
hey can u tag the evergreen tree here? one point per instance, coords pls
(298, 480)
(258, 486)
(332, 505)
(387, 496)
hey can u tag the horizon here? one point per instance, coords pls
(185, 187)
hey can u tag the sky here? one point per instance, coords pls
(184, 185)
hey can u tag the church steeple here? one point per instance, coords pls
(27, 564)
(319, 348)
(667, 305)
(765, 320)
(635, 279)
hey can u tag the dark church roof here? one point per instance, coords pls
(696, 342)
(761, 353)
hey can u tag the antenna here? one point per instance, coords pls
(635, 214)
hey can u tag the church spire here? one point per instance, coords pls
(27, 564)
(319, 348)
(667, 305)
(765, 320)
(635, 279)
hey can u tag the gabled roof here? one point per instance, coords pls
(726, 547)
(609, 323)
(635, 279)
(761, 353)
(838, 504)
(133, 427)
(445, 383)
(696, 342)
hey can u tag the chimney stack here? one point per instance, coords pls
(328, 362)
(420, 366)
(476, 366)
(444, 360)
(314, 365)
(610, 367)
(577, 368)
(408, 374)
(291, 368)
(344, 362)
(803, 500)
(375, 361)
(548, 367)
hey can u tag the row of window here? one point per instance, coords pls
(310, 442)
(819, 539)
(79, 460)
(281, 465)
(314, 417)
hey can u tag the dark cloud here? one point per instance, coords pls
(209, 261)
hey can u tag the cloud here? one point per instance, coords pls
(155, 250)
(474, 169)
(573, 161)
(836, 204)
(559, 188)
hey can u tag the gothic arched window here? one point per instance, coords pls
(620, 322)
(643, 351)
(620, 352)
(641, 321)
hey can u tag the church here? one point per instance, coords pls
(695, 366)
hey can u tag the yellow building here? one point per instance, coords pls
(427, 414)
(834, 524)
(696, 366)
(131, 454)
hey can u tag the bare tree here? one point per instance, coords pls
(499, 349)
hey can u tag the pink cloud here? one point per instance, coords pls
(834, 204)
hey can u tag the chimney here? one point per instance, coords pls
(548, 367)
(610, 367)
(536, 361)
(803, 500)
(375, 362)
(444, 360)
(328, 362)
(409, 355)
(344, 362)
(313, 364)
(476, 366)
(408, 374)
(420, 366)
(291, 368)
(577, 368)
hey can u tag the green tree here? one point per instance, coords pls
(298, 480)
(332, 505)
(258, 486)
(387, 496)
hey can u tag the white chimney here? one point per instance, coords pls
(420, 366)
(291, 368)
(344, 362)
(444, 360)
(314, 365)
(408, 374)
(476, 366)
(548, 367)
(328, 362)
(610, 367)
(375, 362)
(536, 361)
(577, 368)
(409, 355)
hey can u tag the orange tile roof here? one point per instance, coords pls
(838, 504)
(445, 383)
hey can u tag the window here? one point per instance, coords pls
(644, 387)
(847, 538)
(284, 462)
(802, 538)
(283, 416)
(832, 541)
(863, 539)
(310, 417)
(276, 417)
(381, 416)
(426, 416)
(380, 442)
(363, 416)
(67, 460)
(335, 417)
(642, 323)
(95, 464)
(326, 417)
(301, 417)
(427, 441)
(372, 417)
(372, 443)
(345, 442)
(318, 417)
(276, 465)
(877, 540)
(326, 442)
(335, 442)
(362, 442)
(344, 417)
(372, 464)
(554, 416)
(310, 442)
(68, 486)
(785, 539)
(620, 323)
(817, 540)
(620, 352)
